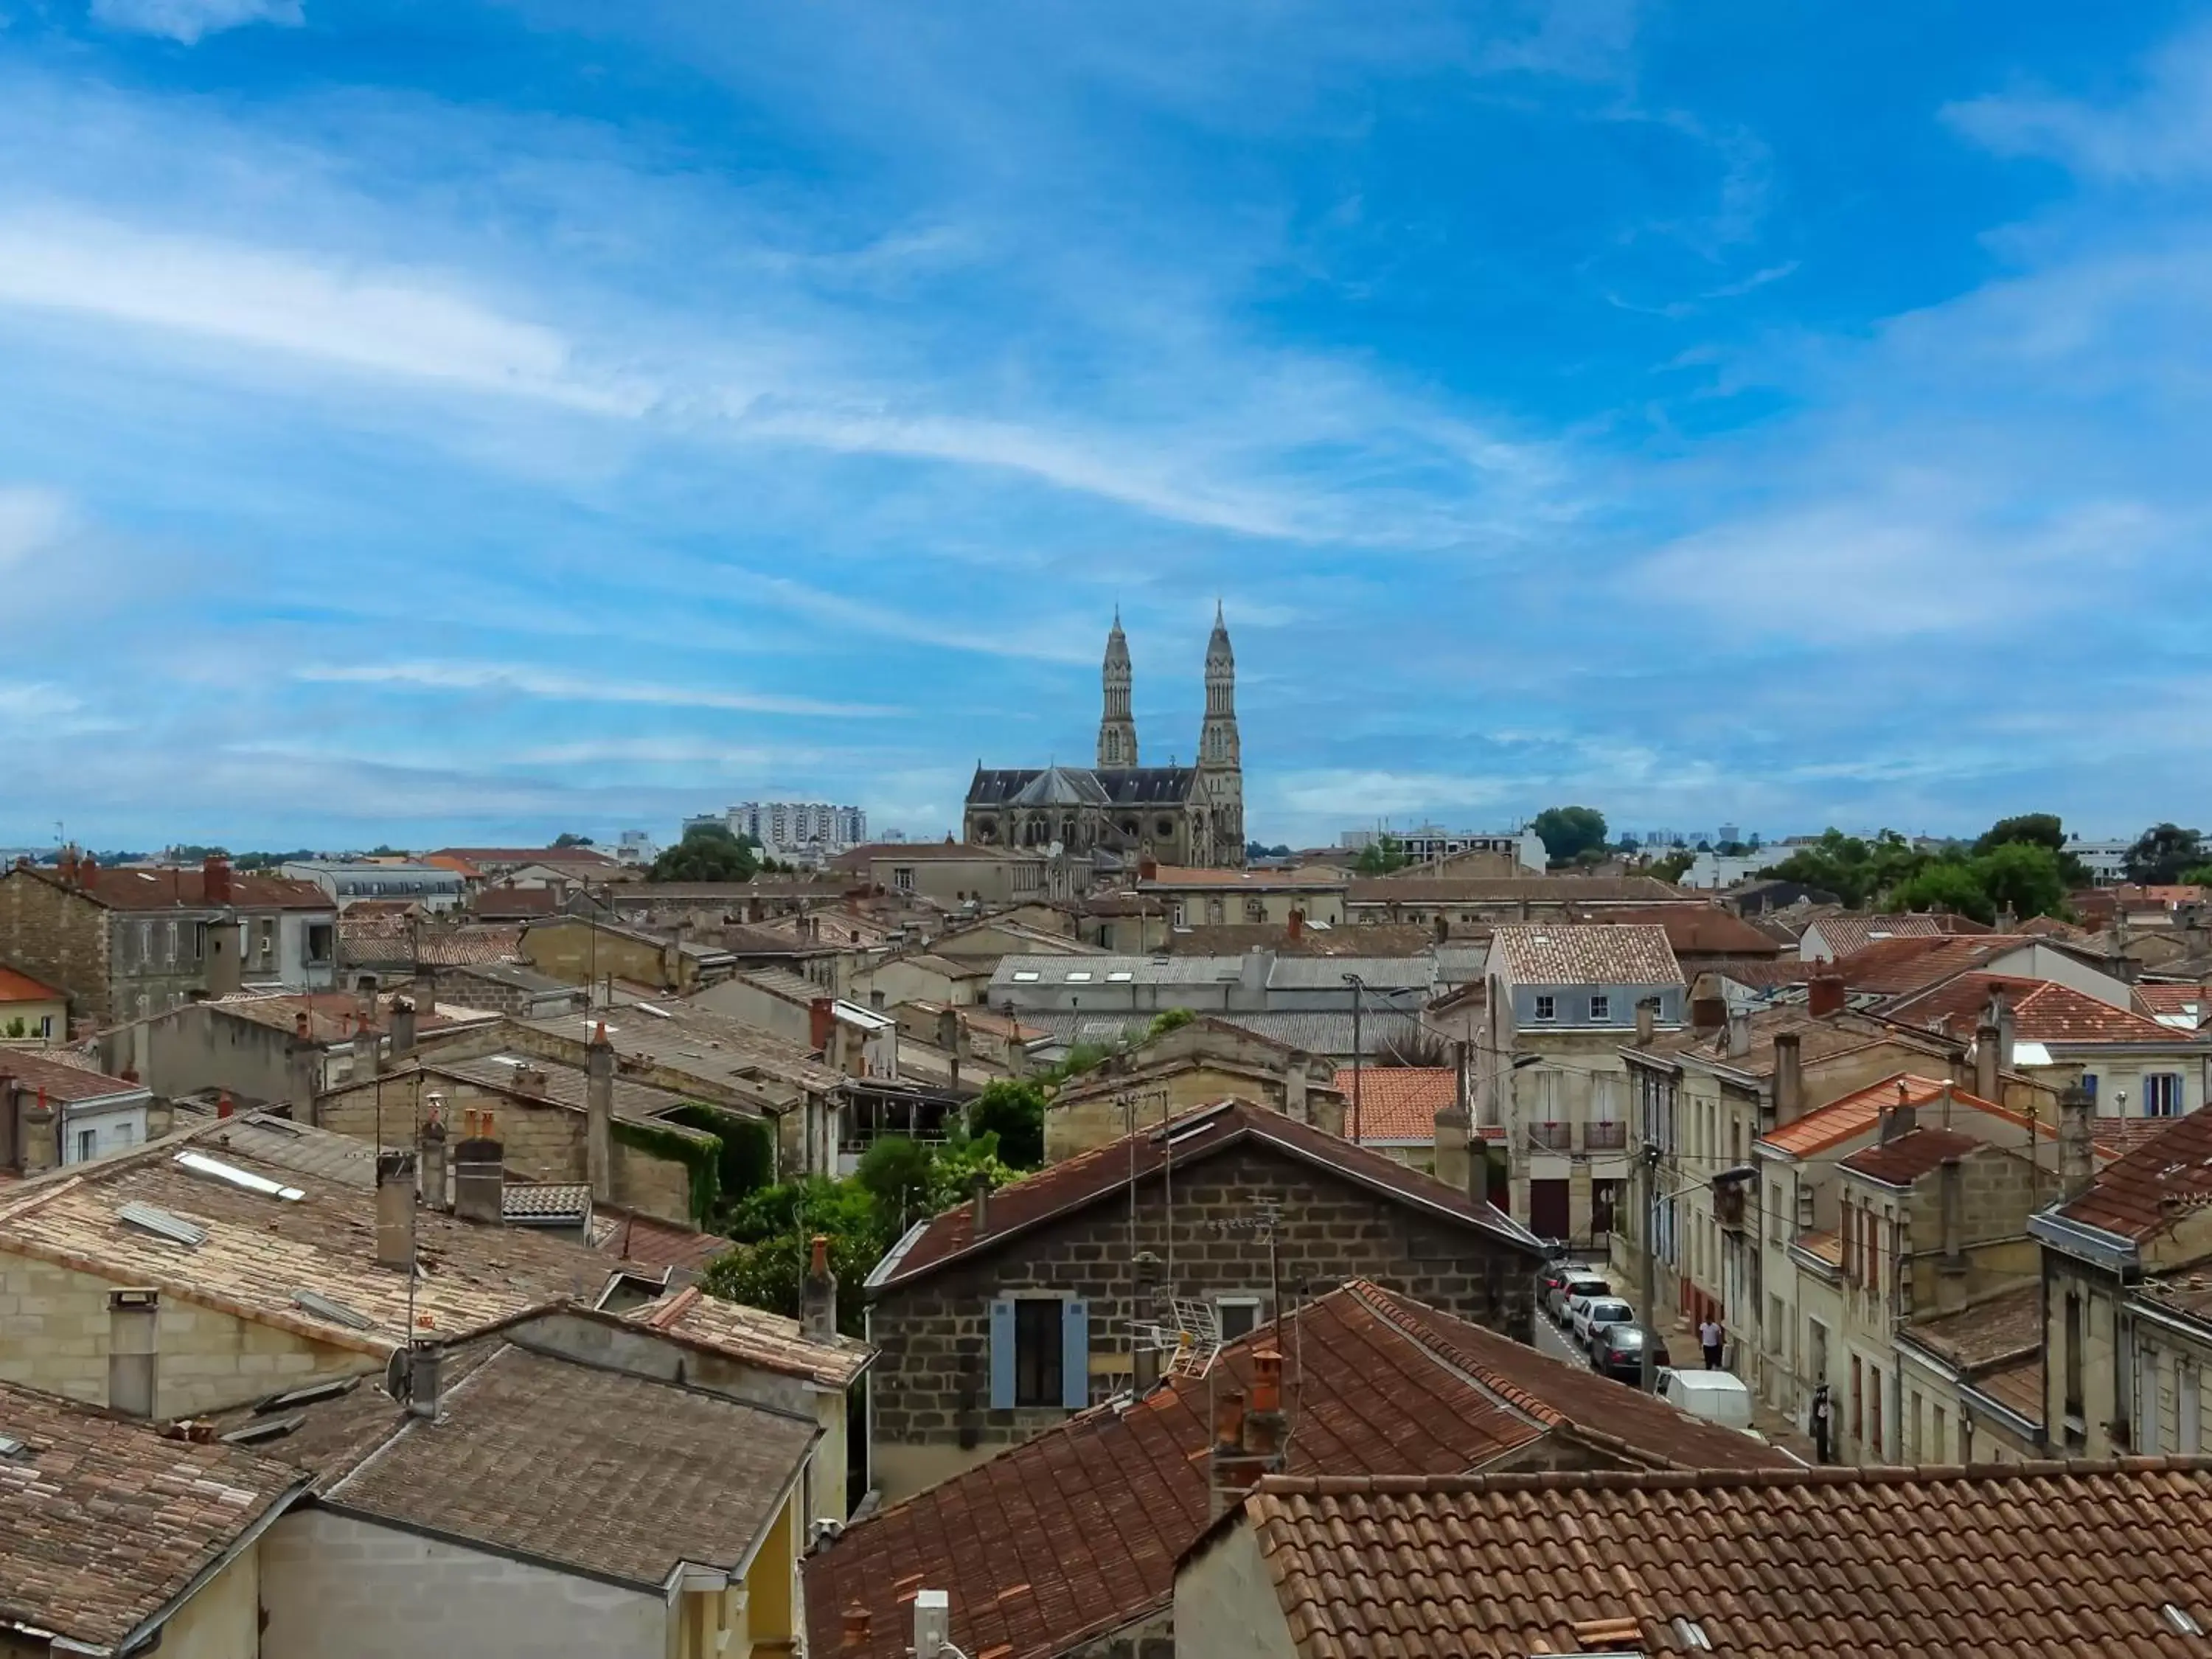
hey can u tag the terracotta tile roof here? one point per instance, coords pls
(2033, 1561)
(1705, 930)
(336, 1016)
(520, 855)
(1901, 1162)
(105, 1522)
(1257, 881)
(2001, 1328)
(1399, 1103)
(2117, 1136)
(1856, 1113)
(169, 888)
(590, 1469)
(2193, 1001)
(493, 902)
(2017, 1385)
(681, 1036)
(652, 1242)
(58, 1080)
(1078, 1530)
(260, 1251)
(536, 1077)
(1821, 1038)
(755, 1336)
(440, 947)
(1105, 1171)
(2043, 1010)
(1408, 888)
(1828, 1247)
(2145, 1191)
(1900, 967)
(1352, 939)
(1572, 953)
(22, 988)
(1849, 932)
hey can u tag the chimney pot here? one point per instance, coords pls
(1789, 1077)
(1825, 995)
(425, 1361)
(480, 1173)
(857, 1624)
(979, 1187)
(134, 1324)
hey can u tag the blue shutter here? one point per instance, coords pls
(1002, 1355)
(1075, 1355)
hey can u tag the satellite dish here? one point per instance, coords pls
(395, 1376)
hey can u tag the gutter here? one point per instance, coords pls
(2114, 1252)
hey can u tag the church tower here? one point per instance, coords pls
(1220, 758)
(1118, 727)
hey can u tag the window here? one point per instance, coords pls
(2089, 1086)
(1546, 1008)
(1601, 1010)
(903, 877)
(1238, 1315)
(1255, 909)
(2074, 1324)
(169, 943)
(1874, 1408)
(1040, 1354)
(319, 942)
(1934, 1454)
(1036, 1353)
(87, 1145)
(1858, 1401)
(2162, 1094)
(2188, 1435)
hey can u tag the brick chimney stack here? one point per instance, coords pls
(480, 1172)
(215, 879)
(1249, 1432)
(1825, 995)
(433, 1155)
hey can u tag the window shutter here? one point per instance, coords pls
(1002, 1355)
(1075, 1355)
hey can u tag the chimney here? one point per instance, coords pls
(1989, 1041)
(2001, 1006)
(1952, 1177)
(88, 873)
(1226, 1459)
(1825, 996)
(817, 1295)
(979, 1199)
(1647, 1021)
(134, 1352)
(433, 1153)
(1789, 1077)
(425, 1363)
(933, 1623)
(225, 967)
(856, 1626)
(480, 1172)
(65, 867)
(2077, 1163)
(1707, 1014)
(1263, 1416)
(301, 1063)
(821, 1025)
(1298, 924)
(1453, 1158)
(600, 1115)
(1901, 1119)
(395, 1210)
(367, 1054)
(1738, 1033)
(1148, 869)
(42, 1146)
(215, 879)
(403, 1027)
(1255, 970)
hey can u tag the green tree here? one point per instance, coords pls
(17, 1027)
(1381, 856)
(567, 838)
(2028, 877)
(1569, 831)
(2035, 829)
(1857, 872)
(1012, 1109)
(2162, 853)
(1944, 886)
(708, 852)
(1672, 867)
(2200, 877)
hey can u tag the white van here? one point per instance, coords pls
(1718, 1396)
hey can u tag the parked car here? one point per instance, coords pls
(1552, 1283)
(1581, 1283)
(1718, 1396)
(1617, 1350)
(1592, 1311)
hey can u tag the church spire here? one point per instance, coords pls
(1118, 727)
(1220, 755)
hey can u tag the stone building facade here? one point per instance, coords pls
(1176, 815)
(952, 1334)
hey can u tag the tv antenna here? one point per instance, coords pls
(1190, 1337)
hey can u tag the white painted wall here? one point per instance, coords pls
(337, 1588)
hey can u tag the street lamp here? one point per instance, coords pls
(1648, 1373)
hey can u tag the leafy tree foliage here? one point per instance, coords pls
(2013, 866)
(2162, 853)
(708, 852)
(2038, 828)
(1944, 886)
(1568, 832)
(1673, 866)
(1013, 1109)
(567, 838)
(1381, 856)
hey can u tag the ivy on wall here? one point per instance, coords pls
(700, 1156)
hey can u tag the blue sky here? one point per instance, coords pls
(441, 421)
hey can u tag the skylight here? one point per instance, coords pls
(274, 1428)
(1079, 976)
(11, 1448)
(1026, 977)
(337, 1312)
(201, 1165)
(162, 1225)
(1120, 976)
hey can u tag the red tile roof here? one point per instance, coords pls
(1856, 1113)
(22, 988)
(656, 1244)
(1901, 1162)
(1571, 953)
(2042, 1011)
(169, 888)
(1078, 1530)
(2194, 1001)
(55, 1077)
(2146, 1191)
(492, 902)
(1105, 1171)
(1398, 1104)
(1704, 930)
(2033, 1561)
(1900, 967)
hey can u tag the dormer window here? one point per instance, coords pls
(1601, 1010)
(1548, 1007)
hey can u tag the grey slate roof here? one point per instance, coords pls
(1135, 786)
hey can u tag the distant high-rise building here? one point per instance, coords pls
(799, 831)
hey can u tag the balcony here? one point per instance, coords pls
(1605, 1137)
(1551, 1137)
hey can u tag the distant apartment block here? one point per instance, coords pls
(1430, 843)
(2106, 862)
(797, 832)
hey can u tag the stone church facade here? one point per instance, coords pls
(1179, 815)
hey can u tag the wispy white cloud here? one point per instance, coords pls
(188, 21)
(523, 680)
(2162, 134)
(36, 702)
(32, 520)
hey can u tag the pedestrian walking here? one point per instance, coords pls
(1708, 1336)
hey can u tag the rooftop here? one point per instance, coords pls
(1900, 967)
(539, 1079)
(58, 1079)
(2145, 1191)
(755, 1336)
(1172, 875)
(2043, 1010)
(1704, 930)
(1851, 932)
(1406, 888)
(1856, 1113)
(1901, 1162)
(2029, 1561)
(172, 888)
(1076, 1532)
(520, 855)
(1106, 1171)
(1398, 1104)
(681, 1036)
(1822, 1038)
(105, 1523)
(1572, 953)
(15, 986)
(2002, 1327)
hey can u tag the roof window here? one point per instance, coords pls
(1120, 976)
(12, 1450)
(1026, 977)
(162, 1225)
(215, 1169)
(1079, 976)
